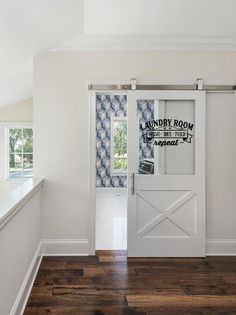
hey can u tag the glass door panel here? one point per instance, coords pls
(166, 136)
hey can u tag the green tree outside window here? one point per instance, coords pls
(20, 152)
(120, 145)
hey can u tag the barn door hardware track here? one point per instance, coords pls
(199, 86)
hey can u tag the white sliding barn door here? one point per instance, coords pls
(166, 173)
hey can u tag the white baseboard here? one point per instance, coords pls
(47, 247)
(23, 295)
(221, 247)
(65, 247)
(80, 247)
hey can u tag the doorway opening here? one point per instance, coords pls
(111, 160)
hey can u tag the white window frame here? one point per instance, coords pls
(13, 125)
(115, 172)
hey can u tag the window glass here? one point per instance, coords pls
(166, 137)
(119, 151)
(20, 152)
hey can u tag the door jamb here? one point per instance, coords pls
(92, 174)
(92, 171)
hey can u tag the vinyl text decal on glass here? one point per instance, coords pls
(167, 132)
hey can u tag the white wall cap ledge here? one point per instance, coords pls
(91, 42)
(15, 199)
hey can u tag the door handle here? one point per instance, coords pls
(132, 183)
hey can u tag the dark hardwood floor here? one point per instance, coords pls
(109, 284)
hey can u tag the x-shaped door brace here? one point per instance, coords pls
(167, 214)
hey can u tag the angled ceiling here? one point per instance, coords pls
(28, 27)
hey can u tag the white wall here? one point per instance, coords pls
(21, 111)
(61, 129)
(19, 240)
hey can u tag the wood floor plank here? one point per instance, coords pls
(128, 311)
(55, 276)
(77, 291)
(94, 272)
(113, 259)
(111, 284)
(178, 301)
(56, 263)
(66, 298)
(103, 310)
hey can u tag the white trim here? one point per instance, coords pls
(89, 42)
(80, 247)
(122, 93)
(221, 247)
(24, 292)
(92, 154)
(17, 123)
(65, 247)
(92, 188)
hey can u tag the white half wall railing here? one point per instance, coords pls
(20, 244)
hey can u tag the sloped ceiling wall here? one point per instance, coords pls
(28, 27)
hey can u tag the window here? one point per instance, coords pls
(118, 145)
(20, 152)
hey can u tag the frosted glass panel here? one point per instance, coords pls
(166, 136)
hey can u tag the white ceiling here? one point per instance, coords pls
(28, 27)
(201, 18)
